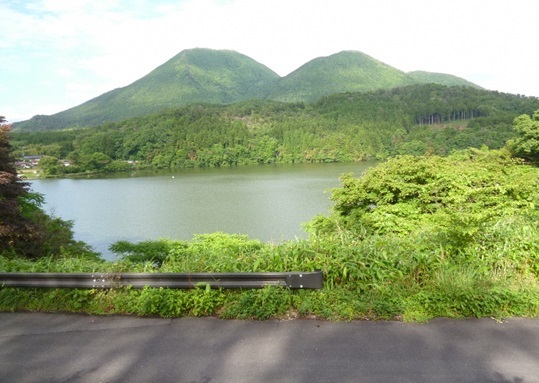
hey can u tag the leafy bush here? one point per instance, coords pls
(526, 145)
(457, 195)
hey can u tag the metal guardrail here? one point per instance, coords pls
(292, 280)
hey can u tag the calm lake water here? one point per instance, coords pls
(267, 202)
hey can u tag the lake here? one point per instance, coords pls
(266, 202)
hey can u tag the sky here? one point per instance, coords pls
(57, 54)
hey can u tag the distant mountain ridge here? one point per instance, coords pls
(423, 77)
(225, 76)
(347, 71)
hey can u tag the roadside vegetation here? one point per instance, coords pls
(414, 238)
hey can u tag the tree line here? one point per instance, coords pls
(415, 120)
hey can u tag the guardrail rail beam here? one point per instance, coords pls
(292, 280)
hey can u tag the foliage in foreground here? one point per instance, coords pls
(384, 277)
(25, 229)
(456, 237)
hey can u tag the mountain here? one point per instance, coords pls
(224, 77)
(347, 71)
(350, 71)
(194, 75)
(422, 77)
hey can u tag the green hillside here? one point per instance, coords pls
(347, 71)
(416, 119)
(422, 77)
(224, 77)
(195, 75)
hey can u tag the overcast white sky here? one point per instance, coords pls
(56, 54)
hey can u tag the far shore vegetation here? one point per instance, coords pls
(413, 120)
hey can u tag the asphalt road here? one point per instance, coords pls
(74, 348)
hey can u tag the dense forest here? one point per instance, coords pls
(415, 120)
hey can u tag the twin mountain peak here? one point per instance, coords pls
(225, 76)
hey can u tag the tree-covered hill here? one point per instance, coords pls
(425, 104)
(195, 75)
(347, 71)
(225, 77)
(416, 120)
(422, 77)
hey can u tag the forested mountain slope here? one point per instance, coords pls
(225, 77)
(417, 119)
(195, 75)
(422, 77)
(342, 72)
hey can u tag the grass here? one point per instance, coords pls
(386, 277)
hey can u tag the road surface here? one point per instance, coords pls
(37, 347)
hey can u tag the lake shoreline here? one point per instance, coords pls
(266, 202)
